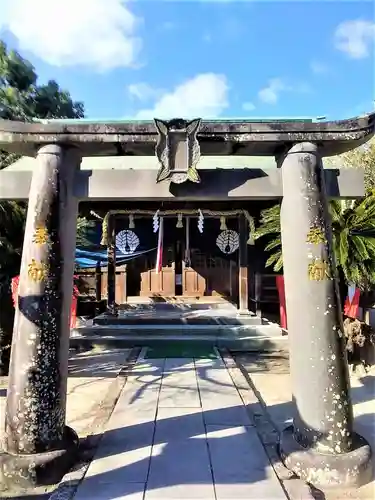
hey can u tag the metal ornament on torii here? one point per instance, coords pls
(321, 446)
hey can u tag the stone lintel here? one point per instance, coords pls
(220, 137)
(218, 184)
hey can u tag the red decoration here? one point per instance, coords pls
(159, 253)
(351, 306)
(281, 290)
(73, 309)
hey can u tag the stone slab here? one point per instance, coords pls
(182, 469)
(109, 490)
(179, 398)
(161, 439)
(240, 466)
(175, 424)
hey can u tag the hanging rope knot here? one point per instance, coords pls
(250, 220)
(223, 223)
(131, 221)
(179, 223)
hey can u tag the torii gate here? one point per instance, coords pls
(321, 446)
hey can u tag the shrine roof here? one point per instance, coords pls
(256, 137)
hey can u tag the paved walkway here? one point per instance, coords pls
(180, 431)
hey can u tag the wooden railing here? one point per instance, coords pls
(93, 283)
(264, 296)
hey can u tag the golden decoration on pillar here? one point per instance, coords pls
(37, 271)
(316, 236)
(179, 223)
(319, 270)
(40, 235)
(223, 223)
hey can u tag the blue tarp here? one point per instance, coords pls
(90, 258)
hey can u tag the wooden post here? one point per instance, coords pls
(98, 287)
(98, 282)
(243, 270)
(258, 293)
(121, 285)
(35, 431)
(111, 270)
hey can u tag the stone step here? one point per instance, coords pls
(268, 330)
(106, 320)
(259, 343)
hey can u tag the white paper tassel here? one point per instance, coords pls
(155, 222)
(200, 221)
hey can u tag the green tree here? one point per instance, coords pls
(362, 157)
(21, 98)
(353, 224)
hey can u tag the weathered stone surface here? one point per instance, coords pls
(25, 470)
(216, 184)
(214, 137)
(36, 398)
(323, 422)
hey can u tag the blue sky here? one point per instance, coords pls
(140, 59)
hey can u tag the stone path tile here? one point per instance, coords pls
(109, 490)
(240, 466)
(181, 470)
(169, 427)
(180, 431)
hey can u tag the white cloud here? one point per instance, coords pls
(205, 95)
(98, 33)
(318, 67)
(355, 38)
(248, 106)
(270, 93)
(143, 91)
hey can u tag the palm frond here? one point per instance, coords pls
(354, 250)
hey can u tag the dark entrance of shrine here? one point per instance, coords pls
(193, 264)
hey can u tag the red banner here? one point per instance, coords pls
(159, 253)
(351, 306)
(73, 309)
(281, 290)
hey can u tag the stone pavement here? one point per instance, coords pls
(180, 431)
(270, 378)
(91, 395)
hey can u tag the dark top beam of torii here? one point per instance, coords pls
(215, 137)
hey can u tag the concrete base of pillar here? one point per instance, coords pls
(18, 472)
(346, 470)
(243, 312)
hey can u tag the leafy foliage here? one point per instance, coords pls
(21, 98)
(354, 248)
(362, 157)
(85, 232)
(271, 228)
(353, 224)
